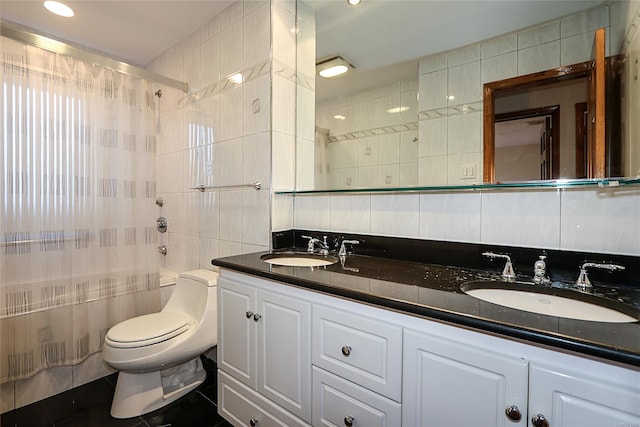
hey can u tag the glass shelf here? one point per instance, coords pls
(522, 185)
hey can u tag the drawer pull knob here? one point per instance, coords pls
(513, 413)
(253, 422)
(346, 351)
(248, 314)
(256, 317)
(539, 421)
(348, 421)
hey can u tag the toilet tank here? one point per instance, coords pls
(193, 292)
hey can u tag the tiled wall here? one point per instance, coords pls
(371, 143)
(594, 220)
(222, 132)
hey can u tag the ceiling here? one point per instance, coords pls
(372, 36)
(111, 26)
(384, 38)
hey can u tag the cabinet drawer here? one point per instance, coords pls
(240, 405)
(361, 349)
(338, 403)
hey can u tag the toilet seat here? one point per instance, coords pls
(148, 329)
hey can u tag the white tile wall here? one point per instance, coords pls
(222, 137)
(602, 220)
(371, 155)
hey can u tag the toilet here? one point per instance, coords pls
(158, 354)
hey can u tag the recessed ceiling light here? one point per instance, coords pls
(333, 66)
(353, 2)
(339, 117)
(400, 109)
(237, 78)
(58, 8)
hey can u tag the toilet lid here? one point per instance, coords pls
(148, 329)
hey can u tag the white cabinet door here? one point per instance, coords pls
(448, 384)
(284, 351)
(237, 331)
(566, 399)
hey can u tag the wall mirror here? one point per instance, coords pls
(411, 112)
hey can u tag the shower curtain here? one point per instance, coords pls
(77, 215)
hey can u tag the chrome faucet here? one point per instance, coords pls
(583, 279)
(540, 272)
(507, 273)
(311, 245)
(343, 249)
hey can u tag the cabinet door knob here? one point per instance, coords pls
(539, 421)
(248, 314)
(256, 317)
(346, 351)
(253, 422)
(513, 413)
(348, 421)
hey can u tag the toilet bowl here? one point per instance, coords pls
(158, 354)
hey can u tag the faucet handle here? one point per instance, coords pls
(507, 273)
(311, 243)
(583, 279)
(343, 249)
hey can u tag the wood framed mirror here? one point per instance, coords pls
(594, 71)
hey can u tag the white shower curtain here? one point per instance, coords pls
(77, 215)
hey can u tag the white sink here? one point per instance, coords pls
(550, 305)
(296, 259)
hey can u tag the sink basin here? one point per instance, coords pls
(551, 301)
(299, 259)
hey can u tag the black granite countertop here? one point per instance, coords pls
(433, 291)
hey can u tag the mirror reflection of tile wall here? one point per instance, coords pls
(443, 144)
(369, 139)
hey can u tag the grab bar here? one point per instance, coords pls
(257, 185)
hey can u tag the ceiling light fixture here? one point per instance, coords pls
(396, 110)
(333, 66)
(236, 78)
(58, 8)
(353, 2)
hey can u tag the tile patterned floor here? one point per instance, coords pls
(89, 405)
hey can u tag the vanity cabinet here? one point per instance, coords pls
(264, 343)
(587, 399)
(449, 382)
(294, 357)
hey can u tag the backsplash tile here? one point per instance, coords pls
(351, 214)
(528, 218)
(450, 216)
(313, 212)
(395, 215)
(601, 221)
